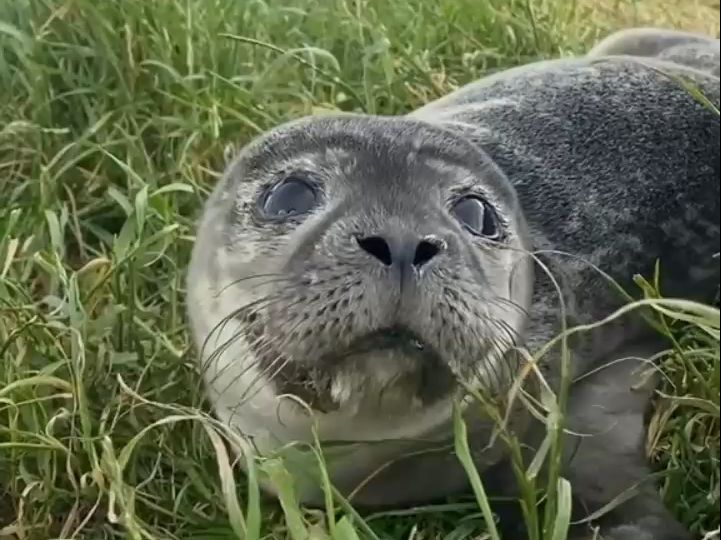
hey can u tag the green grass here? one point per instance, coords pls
(113, 121)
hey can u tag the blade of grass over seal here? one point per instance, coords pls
(463, 453)
(283, 483)
(344, 531)
(325, 482)
(253, 518)
(230, 489)
(626, 495)
(563, 511)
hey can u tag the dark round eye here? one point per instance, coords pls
(291, 197)
(477, 216)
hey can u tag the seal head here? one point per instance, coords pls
(361, 265)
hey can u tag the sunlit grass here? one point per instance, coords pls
(112, 128)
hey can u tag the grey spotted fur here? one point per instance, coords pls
(614, 163)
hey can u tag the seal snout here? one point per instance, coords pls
(407, 253)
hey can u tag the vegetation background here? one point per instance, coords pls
(113, 121)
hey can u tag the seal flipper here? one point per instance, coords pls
(608, 406)
(604, 458)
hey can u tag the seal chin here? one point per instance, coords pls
(389, 369)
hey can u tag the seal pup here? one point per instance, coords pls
(350, 269)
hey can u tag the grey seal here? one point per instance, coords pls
(349, 270)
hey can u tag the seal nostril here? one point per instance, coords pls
(425, 251)
(378, 247)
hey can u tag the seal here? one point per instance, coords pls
(353, 275)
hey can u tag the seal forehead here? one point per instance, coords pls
(383, 157)
(337, 138)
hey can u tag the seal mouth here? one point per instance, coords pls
(396, 338)
(423, 374)
(429, 378)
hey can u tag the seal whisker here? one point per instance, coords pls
(269, 372)
(278, 278)
(493, 368)
(220, 326)
(231, 315)
(252, 345)
(245, 331)
(498, 300)
(260, 351)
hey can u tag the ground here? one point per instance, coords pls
(113, 121)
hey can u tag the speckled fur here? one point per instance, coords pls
(601, 158)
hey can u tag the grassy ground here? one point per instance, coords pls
(113, 120)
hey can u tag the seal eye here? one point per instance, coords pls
(477, 216)
(291, 197)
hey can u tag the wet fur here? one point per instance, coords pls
(608, 160)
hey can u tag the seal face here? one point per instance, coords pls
(360, 265)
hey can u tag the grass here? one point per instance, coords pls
(113, 123)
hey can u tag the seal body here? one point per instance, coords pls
(349, 270)
(684, 48)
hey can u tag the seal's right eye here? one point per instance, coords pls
(292, 196)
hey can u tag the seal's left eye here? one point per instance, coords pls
(291, 197)
(477, 216)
